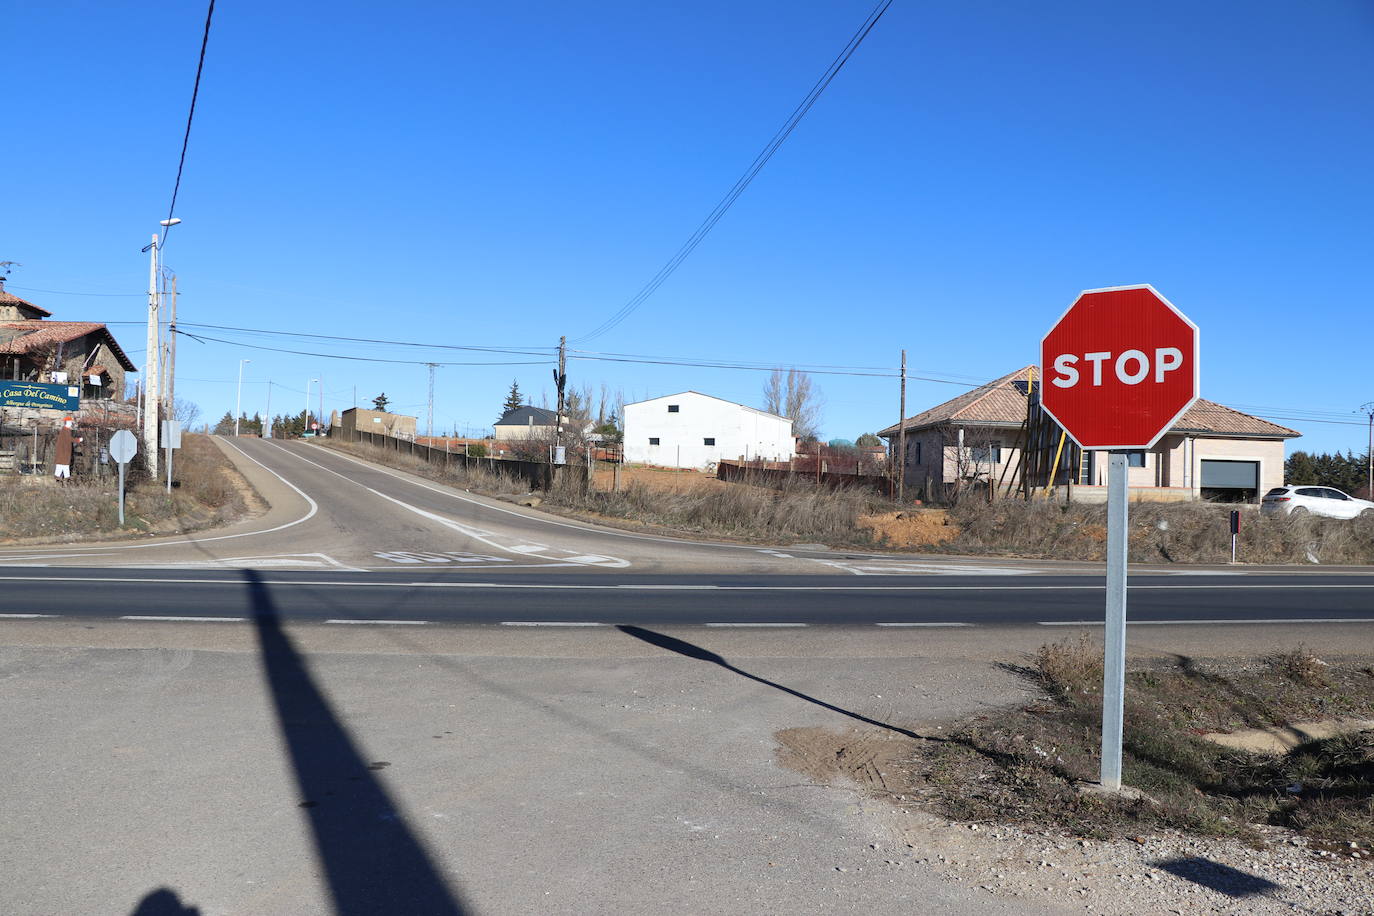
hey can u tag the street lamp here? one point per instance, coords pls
(307, 402)
(238, 400)
(150, 386)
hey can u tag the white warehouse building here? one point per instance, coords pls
(693, 430)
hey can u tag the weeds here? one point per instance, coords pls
(1021, 765)
(1159, 533)
(84, 508)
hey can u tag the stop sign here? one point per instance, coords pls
(1119, 368)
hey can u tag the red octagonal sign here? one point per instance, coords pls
(1119, 368)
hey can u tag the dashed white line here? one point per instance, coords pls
(404, 623)
(551, 623)
(25, 616)
(174, 619)
(924, 624)
(757, 624)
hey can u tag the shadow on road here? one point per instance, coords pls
(372, 861)
(163, 902)
(681, 647)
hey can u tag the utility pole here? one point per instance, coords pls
(172, 354)
(321, 416)
(560, 378)
(429, 422)
(267, 420)
(1368, 408)
(901, 438)
(151, 357)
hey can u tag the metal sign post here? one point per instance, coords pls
(1118, 369)
(171, 434)
(1114, 661)
(123, 447)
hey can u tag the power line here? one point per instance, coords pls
(190, 116)
(60, 292)
(744, 180)
(363, 359)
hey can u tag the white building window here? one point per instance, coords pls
(709, 440)
(653, 440)
(672, 408)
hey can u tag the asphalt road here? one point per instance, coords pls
(602, 598)
(347, 540)
(386, 696)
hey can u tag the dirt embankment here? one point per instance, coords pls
(207, 492)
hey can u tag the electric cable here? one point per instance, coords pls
(190, 116)
(761, 160)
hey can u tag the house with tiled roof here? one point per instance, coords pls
(80, 354)
(996, 435)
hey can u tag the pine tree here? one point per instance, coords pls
(1300, 469)
(225, 426)
(380, 402)
(514, 400)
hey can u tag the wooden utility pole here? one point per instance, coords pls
(560, 378)
(901, 438)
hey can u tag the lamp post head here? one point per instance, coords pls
(169, 222)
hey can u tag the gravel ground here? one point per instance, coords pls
(1169, 873)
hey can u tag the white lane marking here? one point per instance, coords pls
(674, 588)
(325, 583)
(486, 537)
(1188, 623)
(908, 567)
(81, 551)
(550, 623)
(924, 624)
(276, 561)
(410, 623)
(182, 619)
(413, 557)
(539, 518)
(25, 616)
(757, 624)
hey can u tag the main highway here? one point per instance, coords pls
(349, 541)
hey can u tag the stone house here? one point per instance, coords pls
(80, 354)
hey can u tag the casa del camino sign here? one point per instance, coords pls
(39, 396)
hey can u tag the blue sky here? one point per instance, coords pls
(498, 175)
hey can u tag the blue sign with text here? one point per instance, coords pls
(40, 395)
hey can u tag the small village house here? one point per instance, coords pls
(694, 430)
(996, 433)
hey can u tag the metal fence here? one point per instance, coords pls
(536, 474)
(778, 477)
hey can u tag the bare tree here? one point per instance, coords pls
(793, 395)
(185, 412)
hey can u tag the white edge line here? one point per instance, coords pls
(25, 616)
(1187, 623)
(412, 623)
(149, 617)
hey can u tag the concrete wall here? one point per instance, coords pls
(379, 422)
(738, 431)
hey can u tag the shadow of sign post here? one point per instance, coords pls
(372, 861)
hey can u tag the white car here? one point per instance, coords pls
(1291, 500)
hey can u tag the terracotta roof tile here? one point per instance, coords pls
(7, 298)
(26, 336)
(1003, 402)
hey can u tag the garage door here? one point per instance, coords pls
(1230, 475)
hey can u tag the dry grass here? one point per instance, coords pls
(1159, 533)
(686, 502)
(1021, 765)
(205, 494)
(477, 477)
(798, 511)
